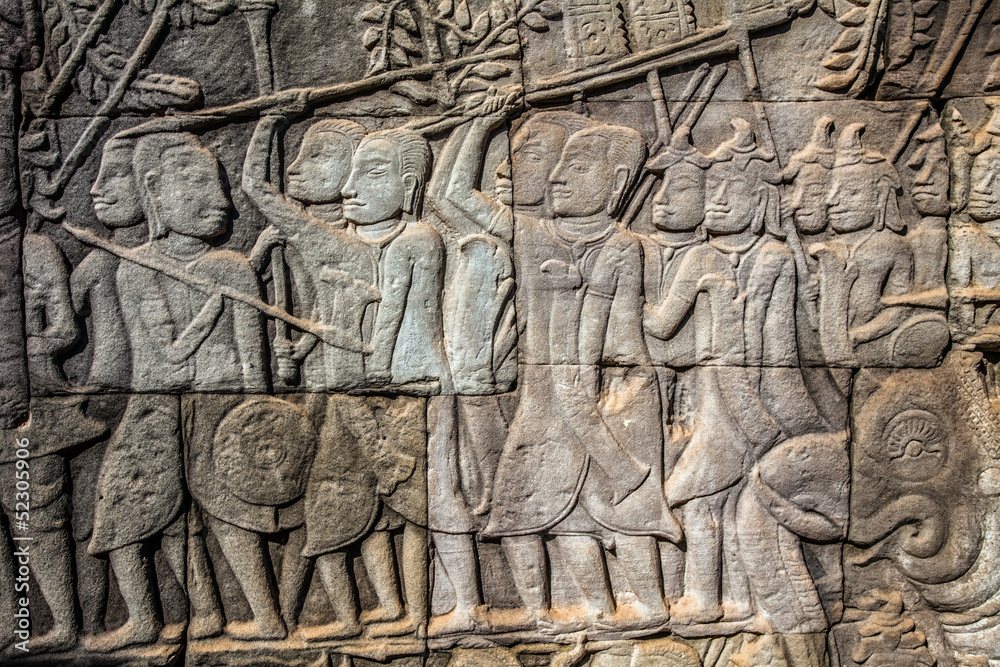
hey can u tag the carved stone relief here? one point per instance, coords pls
(520, 333)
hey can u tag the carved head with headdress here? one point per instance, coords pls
(740, 186)
(679, 203)
(808, 174)
(180, 186)
(863, 187)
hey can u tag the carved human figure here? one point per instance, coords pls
(808, 177)
(467, 431)
(406, 261)
(929, 192)
(181, 340)
(739, 287)
(583, 460)
(49, 322)
(93, 283)
(866, 271)
(974, 248)
(331, 267)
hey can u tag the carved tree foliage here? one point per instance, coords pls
(853, 55)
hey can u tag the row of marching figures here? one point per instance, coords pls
(381, 275)
(674, 454)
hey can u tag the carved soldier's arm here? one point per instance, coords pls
(898, 281)
(288, 216)
(398, 268)
(453, 192)
(663, 320)
(60, 331)
(159, 325)
(771, 286)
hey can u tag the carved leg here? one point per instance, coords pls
(640, 558)
(457, 554)
(52, 565)
(174, 547)
(380, 564)
(701, 602)
(206, 609)
(332, 568)
(585, 558)
(415, 584)
(91, 589)
(736, 588)
(526, 558)
(247, 556)
(296, 571)
(672, 567)
(143, 624)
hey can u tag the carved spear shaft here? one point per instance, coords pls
(328, 334)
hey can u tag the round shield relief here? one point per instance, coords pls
(263, 449)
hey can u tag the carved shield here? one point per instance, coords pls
(263, 449)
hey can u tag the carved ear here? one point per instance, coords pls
(151, 181)
(412, 196)
(617, 196)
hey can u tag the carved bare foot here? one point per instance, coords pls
(458, 621)
(257, 629)
(382, 614)
(329, 631)
(690, 609)
(172, 633)
(203, 627)
(55, 640)
(130, 634)
(634, 616)
(404, 626)
(554, 622)
(736, 611)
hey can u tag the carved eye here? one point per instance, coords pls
(915, 445)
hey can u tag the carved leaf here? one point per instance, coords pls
(371, 37)
(472, 85)
(921, 40)
(398, 57)
(535, 22)
(839, 61)
(491, 71)
(157, 92)
(403, 40)
(854, 17)
(481, 26)
(445, 8)
(549, 10)
(835, 82)
(452, 44)
(463, 18)
(374, 15)
(922, 24)
(827, 6)
(378, 62)
(498, 14)
(404, 19)
(848, 41)
(509, 36)
(414, 91)
(924, 7)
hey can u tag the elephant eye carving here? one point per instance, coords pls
(915, 446)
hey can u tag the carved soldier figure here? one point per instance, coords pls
(467, 431)
(583, 461)
(974, 252)
(808, 176)
(406, 261)
(181, 340)
(739, 288)
(866, 272)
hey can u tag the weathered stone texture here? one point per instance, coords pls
(503, 333)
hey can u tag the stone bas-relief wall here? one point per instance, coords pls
(618, 333)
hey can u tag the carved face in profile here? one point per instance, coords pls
(584, 179)
(186, 191)
(732, 197)
(984, 190)
(679, 204)
(534, 160)
(377, 189)
(319, 172)
(853, 198)
(115, 194)
(930, 184)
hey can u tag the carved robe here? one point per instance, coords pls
(575, 463)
